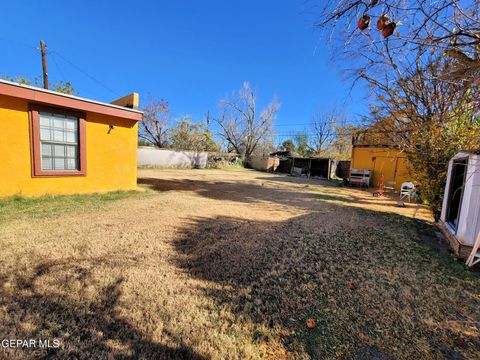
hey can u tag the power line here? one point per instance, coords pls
(302, 133)
(293, 124)
(19, 43)
(35, 48)
(84, 72)
(344, 133)
(62, 75)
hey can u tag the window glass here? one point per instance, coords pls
(71, 151)
(71, 164)
(71, 124)
(58, 135)
(59, 163)
(71, 137)
(45, 134)
(46, 150)
(44, 119)
(59, 142)
(46, 163)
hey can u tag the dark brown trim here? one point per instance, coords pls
(76, 104)
(35, 142)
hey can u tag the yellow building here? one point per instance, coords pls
(53, 143)
(377, 149)
(387, 161)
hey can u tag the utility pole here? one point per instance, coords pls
(207, 119)
(44, 64)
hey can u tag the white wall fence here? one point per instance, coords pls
(150, 156)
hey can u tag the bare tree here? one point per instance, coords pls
(386, 42)
(421, 59)
(154, 127)
(322, 131)
(431, 63)
(374, 34)
(241, 126)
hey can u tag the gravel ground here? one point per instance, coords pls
(212, 264)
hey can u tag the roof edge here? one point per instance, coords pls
(51, 97)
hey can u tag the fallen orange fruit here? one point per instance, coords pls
(310, 323)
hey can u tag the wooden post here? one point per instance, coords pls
(474, 257)
(44, 64)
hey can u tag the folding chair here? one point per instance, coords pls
(407, 190)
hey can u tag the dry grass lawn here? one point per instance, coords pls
(212, 264)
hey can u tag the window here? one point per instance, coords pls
(58, 142)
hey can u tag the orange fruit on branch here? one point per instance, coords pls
(363, 22)
(382, 21)
(389, 29)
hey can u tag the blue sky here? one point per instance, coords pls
(192, 53)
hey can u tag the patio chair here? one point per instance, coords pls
(407, 190)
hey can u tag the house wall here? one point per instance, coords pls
(390, 162)
(111, 157)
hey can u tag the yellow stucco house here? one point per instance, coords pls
(53, 143)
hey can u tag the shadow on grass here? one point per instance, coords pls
(406, 297)
(409, 297)
(87, 329)
(261, 191)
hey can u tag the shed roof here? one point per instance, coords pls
(280, 153)
(49, 97)
(462, 152)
